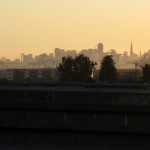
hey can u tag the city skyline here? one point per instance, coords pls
(51, 60)
(77, 51)
(48, 51)
(35, 26)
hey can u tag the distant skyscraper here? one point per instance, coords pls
(100, 50)
(131, 50)
(22, 55)
(100, 47)
(133, 56)
(27, 58)
(59, 53)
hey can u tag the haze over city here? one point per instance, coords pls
(35, 26)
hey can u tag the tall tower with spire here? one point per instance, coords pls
(131, 51)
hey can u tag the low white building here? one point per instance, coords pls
(9, 74)
(31, 74)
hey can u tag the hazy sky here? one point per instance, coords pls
(36, 26)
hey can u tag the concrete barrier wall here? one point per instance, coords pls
(75, 118)
(76, 121)
(76, 109)
(77, 96)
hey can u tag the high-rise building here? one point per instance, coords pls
(131, 50)
(26, 58)
(59, 53)
(100, 47)
(100, 50)
(133, 56)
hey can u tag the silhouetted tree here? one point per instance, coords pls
(66, 69)
(108, 70)
(146, 73)
(77, 69)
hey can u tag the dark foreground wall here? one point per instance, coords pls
(74, 118)
(14, 139)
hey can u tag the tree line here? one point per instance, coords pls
(80, 69)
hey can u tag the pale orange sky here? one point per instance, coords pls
(37, 26)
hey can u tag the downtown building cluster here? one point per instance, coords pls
(52, 60)
(44, 66)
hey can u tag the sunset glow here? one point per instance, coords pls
(38, 26)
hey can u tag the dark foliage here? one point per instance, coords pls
(146, 73)
(77, 69)
(108, 70)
